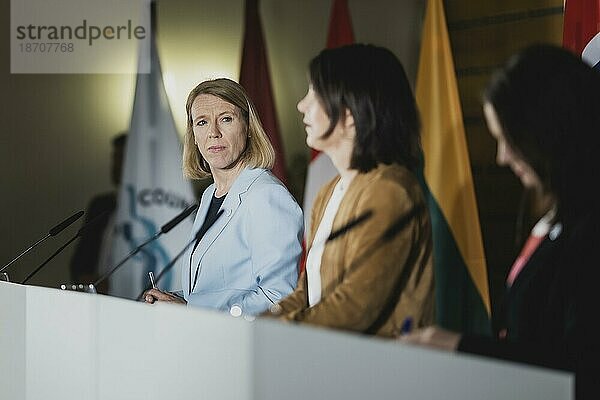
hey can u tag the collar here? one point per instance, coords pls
(545, 226)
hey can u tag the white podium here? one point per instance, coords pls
(66, 345)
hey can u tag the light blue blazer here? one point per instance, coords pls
(249, 257)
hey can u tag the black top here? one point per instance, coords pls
(211, 215)
(540, 308)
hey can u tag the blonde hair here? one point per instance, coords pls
(259, 152)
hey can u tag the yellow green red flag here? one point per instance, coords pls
(462, 293)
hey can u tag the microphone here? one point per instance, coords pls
(183, 215)
(350, 225)
(400, 223)
(60, 227)
(83, 230)
(52, 232)
(390, 233)
(197, 237)
(164, 229)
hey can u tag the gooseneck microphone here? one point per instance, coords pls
(60, 227)
(164, 229)
(52, 232)
(197, 237)
(175, 221)
(82, 231)
(389, 234)
(400, 223)
(350, 225)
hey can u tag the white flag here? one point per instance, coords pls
(320, 171)
(153, 191)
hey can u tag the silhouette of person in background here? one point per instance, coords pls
(85, 263)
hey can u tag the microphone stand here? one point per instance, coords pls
(53, 232)
(48, 259)
(84, 229)
(390, 233)
(333, 236)
(164, 229)
(25, 252)
(394, 229)
(131, 254)
(171, 263)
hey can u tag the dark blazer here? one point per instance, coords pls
(541, 308)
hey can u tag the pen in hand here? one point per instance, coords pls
(406, 326)
(151, 275)
(159, 295)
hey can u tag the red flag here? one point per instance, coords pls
(320, 168)
(339, 34)
(340, 25)
(581, 29)
(255, 78)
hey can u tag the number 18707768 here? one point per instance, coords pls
(47, 47)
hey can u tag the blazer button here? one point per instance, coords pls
(235, 310)
(228, 212)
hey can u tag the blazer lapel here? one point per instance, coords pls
(230, 206)
(200, 217)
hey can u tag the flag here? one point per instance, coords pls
(581, 30)
(152, 191)
(462, 293)
(255, 78)
(321, 169)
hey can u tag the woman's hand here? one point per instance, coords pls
(153, 295)
(433, 336)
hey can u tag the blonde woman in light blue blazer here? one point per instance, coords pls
(251, 227)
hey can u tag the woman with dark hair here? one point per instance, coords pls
(369, 259)
(543, 109)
